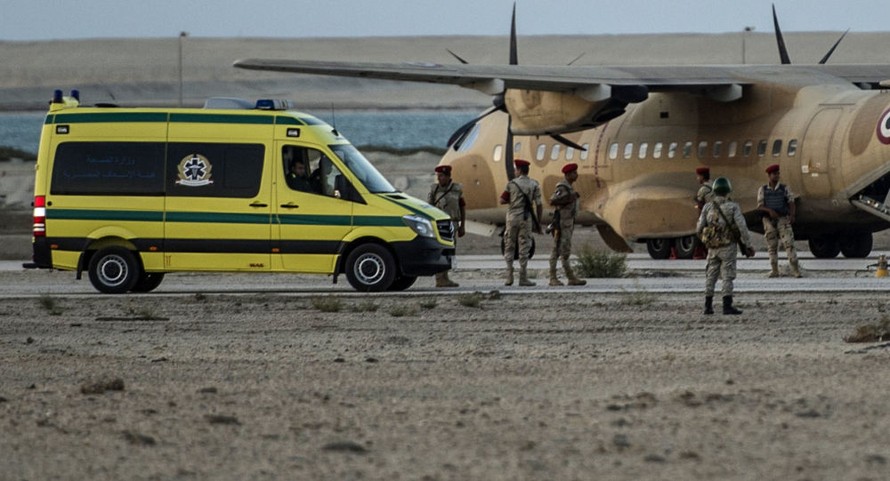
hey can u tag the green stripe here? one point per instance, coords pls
(222, 119)
(221, 218)
(122, 215)
(109, 117)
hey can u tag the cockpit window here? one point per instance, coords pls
(362, 169)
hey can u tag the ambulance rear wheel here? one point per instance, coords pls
(370, 268)
(114, 270)
(148, 282)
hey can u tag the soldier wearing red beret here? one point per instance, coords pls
(523, 198)
(565, 203)
(448, 196)
(704, 195)
(776, 203)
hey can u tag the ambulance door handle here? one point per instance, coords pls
(259, 204)
(290, 205)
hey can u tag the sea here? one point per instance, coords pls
(391, 130)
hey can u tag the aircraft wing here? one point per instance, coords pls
(494, 78)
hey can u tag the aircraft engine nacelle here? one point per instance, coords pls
(537, 112)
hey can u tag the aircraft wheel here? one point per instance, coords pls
(686, 246)
(114, 270)
(402, 283)
(659, 248)
(370, 268)
(824, 247)
(148, 282)
(856, 245)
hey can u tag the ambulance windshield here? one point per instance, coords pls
(362, 168)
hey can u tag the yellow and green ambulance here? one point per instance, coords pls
(129, 194)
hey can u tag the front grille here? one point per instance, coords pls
(446, 229)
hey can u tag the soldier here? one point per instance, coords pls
(448, 196)
(523, 196)
(721, 226)
(565, 202)
(704, 195)
(776, 201)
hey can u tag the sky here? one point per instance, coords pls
(26, 20)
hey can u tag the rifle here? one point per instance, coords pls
(528, 211)
(734, 230)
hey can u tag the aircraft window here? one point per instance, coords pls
(628, 150)
(517, 147)
(672, 150)
(570, 153)
(542, 149)
(702, 149)
(687, 149)
(718, 147)
(777, 148)
(792, 147)
(656, 150)
(733, 147)
(554, 152)
(748, 148)
(644, 149)
(761, 148)
(585, 152)
(613, 151)
(498, 153)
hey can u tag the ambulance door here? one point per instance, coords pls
(218, 207)
(310, 217)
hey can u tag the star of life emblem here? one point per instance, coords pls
(194, 171)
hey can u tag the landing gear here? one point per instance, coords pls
(856, 245)
(824, 247)
(659, 249)
(686, 246)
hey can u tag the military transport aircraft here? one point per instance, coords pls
(639, 132)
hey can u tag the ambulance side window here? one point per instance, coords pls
(108, 168)
(323, 173)
(214, 170)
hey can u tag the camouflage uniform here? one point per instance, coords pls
(450, 200)
(705, 194)
(519, 224)
(565, 200)
(775, 230)
(722, 260)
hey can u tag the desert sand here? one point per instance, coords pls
(425, 386)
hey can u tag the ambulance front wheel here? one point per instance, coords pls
(370, 268)
(114, 270)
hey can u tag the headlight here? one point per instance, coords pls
(420, 225)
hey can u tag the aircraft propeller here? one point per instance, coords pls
(783, 50)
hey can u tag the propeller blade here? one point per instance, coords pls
(783, 51)
(514, 55)
(827, 55)
(577, 58)
(463, 130)
(459, 59)
(564, 141)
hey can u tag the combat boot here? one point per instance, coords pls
(774, 267)
(442, 280)
(709, 305)
(554, 279)
(573, 280)
(523, 278)
(508, 278)
(727, 306)
(795, 269)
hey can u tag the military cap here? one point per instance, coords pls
(571, 167)
(772, 168)
(444, 169)
(703, 171)
(521, 163)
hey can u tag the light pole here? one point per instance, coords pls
(744, 41)
(182, 36)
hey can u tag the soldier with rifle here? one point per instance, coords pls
(523, 198)
(565, 203)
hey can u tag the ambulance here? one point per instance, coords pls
(130, 194)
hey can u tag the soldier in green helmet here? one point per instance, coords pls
(721, 227)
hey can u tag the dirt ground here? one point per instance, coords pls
(441, 387)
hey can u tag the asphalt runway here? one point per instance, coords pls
(483, 273)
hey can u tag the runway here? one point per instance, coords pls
(483, 273)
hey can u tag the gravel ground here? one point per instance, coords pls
(488, 387)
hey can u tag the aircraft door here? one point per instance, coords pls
(817, 152)
(310, 217)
